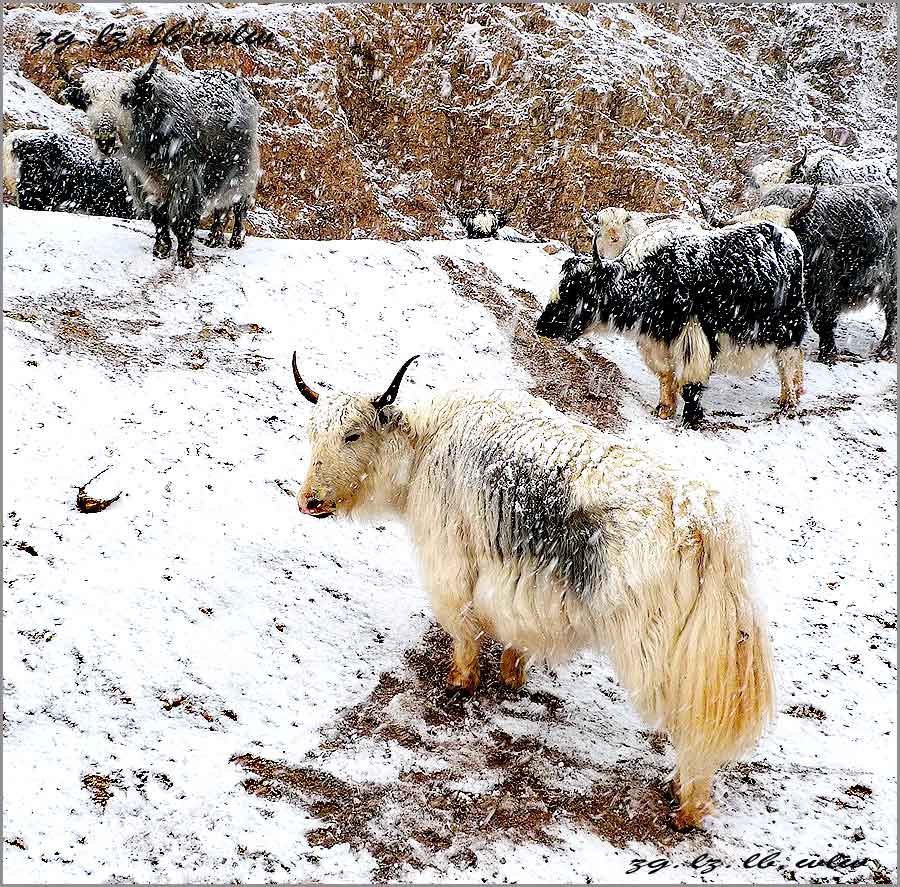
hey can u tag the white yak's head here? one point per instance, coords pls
(615, 228)
(765, 176)
(351, 439)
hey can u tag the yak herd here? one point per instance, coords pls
(533, 528)
(699, 294)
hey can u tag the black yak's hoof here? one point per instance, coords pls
(186, 260)
(828, 356)
(236, 242)
(162, 248)
(693, 419)
(216, 240)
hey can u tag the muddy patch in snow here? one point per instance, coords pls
(469, 774)
(575, 380)
(126, 331)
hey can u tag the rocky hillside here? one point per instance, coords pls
(376, 117)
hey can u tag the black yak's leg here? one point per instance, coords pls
(186, 206)
(790, 369)
(824, 325)
(237, 232)
(159, 215)
(184, 230)
(693, 410)
(887, 350)
(217, 230)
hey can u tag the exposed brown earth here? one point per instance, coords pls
(574, 379)
(431, 812)
(376, 115)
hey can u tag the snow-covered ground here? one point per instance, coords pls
(203, 685)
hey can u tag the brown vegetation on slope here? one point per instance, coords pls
(373, 115)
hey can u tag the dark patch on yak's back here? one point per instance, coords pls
(524, 479)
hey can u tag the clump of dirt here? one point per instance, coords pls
(101, 787)
(472, 782)
(573, 379)
(806, 711)
(190, 705)
(96, 328)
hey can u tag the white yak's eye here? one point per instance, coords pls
(350, 438)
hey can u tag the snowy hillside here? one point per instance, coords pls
(374, 115)
(202, 684)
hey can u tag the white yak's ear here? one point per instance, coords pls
(387, 417)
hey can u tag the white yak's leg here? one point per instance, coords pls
(450, 577)
(513, 668)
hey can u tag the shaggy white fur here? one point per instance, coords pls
(10, 163)
(551, 537)
(616, 228)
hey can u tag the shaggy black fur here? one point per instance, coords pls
(194, 136)
(849, 241)
(745, 281)
(58, 171)
(489, 222)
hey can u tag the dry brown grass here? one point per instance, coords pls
(359, 140)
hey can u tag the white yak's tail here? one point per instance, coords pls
(691, 357)
(720, 691)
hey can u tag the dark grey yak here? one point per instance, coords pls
(189, 139)
(849, 239)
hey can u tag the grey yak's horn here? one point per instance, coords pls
(805, 207)
(714, 220)
(390, 395)
(146, 75)
(311, 395)
(797, 165)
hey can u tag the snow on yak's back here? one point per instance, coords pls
(552, 537)
(697, 301)
(49, 170)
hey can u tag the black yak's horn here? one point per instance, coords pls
(804, 208)
(390, 395)
(65, 75)
(146, 75)
(741, 168)
(707, 213)
(594, 251)
(305, 390)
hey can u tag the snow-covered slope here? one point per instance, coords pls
(201, 684)
(374, 115)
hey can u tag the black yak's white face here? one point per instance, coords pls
(107, 97)
(766, 176)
